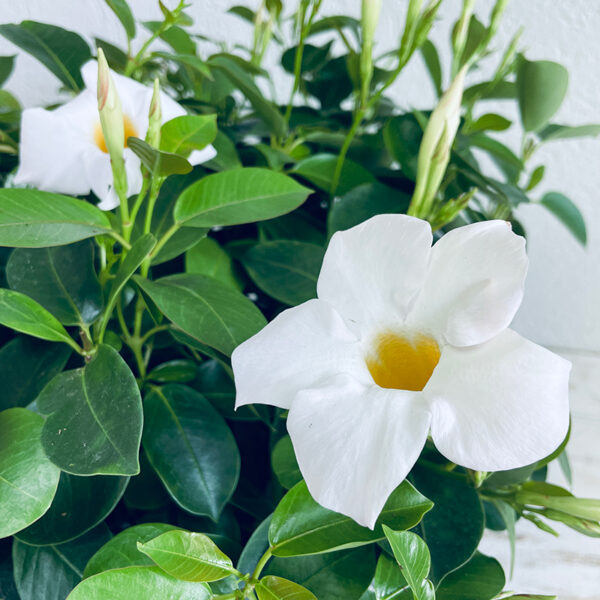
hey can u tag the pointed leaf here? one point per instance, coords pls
(208, 258)
(567, 213)
(159, 163)
(563, 132)
(482, 578)
(183, 134)
(6, 67)
(389, 582)
(123, 12)
(277, 588)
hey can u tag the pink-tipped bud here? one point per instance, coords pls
(111, 114)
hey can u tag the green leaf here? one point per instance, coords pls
(122, 551)
(334, 576)
(191, 448)
(183, 134)
(174, 371)
(320, 168)
(94, 422)
(34, 219)
(51, 572)
(277, 588)
(402, 136)
(502, 155)
(284, 463)
(482, 578)
(239, 77)
(285, 270)
(175, 36)
(26, 366)
(188, 60)
(490, 122)
(6, 67)
(208, 258)
(62, 279)
(145, 490)
(160, 164)
(79, 505)
(301, 526)
(188, 556)
(63, 52)
(184, 239)
(389, 583)
(542, 86)
(434, 67)
(28, 480)
(455, 526)
(238, 196)
(205, 309)
(138, 583)
(21, 313)
(412, 555)
(115, 57)
(313, 57)
(335, 23)
(123, 12)
(562, 132)
(567, 213)
(243, 12)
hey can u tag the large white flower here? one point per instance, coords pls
(407, 340)
(63, 150)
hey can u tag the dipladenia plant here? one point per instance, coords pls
(256, 343)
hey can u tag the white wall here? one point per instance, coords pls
(562, 304)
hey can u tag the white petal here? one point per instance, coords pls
(371, 272)
(197, 157)
(355, 444)
(98, 171)
(501, 405)
(474, 284)
(50, 153)
(298, 349)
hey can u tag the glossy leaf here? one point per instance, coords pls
(174, 371)
(61, 51)
(286, 270)
(138, 583)
(35, 219)
(191, 448)
(62, 279)
(123, 12)
(208, 258)
(301, 526)
(28, 480)
(567, 213)
(26, 366)
(238, 196)
(188, 556)
(277, 588)
(284, 463)
(94, 422)
(159, 163)
(79, 505)
(389, 583)
(183, 134)
(21, 313)
(482, 578)
(542, 86)
(206, 309)
(51, 572)
(122, 551)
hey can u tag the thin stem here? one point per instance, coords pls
(163, 240)
(152, 332)
(297, 65)
(154, 190)
(139, 201)
(120, 239)
(261, 564)
(358, 117)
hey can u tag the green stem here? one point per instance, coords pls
(154, 190)
(152, 332)
(297, 67)
(261, 565)
(358, 117)
(138, 203)
(159, 246)
(120, 239)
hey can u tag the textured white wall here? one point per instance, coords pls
(561, 307)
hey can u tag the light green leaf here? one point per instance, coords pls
(567, 213)
(138, 583)
(238, 196)
(277, 588)
(94, 422)
(183, 134)
(123, 12)
(206, 309)
(301, 526)
(562, 132)
(28, 480)
(191, 448)
(34, 219)
(490, 122)
(208, 258)
(63, 52)
(482, 578)
(159, 163)
(542, 86)
(188, 556)
(284, 463)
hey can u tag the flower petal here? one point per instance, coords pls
(356, 443)
(197, 157)
(371, 272)
(501, 405)
(298, 349)
(474, 284)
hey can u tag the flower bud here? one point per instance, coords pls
(369, 20)
(111, 114)
(154, 117)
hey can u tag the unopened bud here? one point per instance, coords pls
(369, 19)
(154, 117)
(111, 113)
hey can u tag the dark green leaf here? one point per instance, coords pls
(191, 448)
(28, 480)
(63, 52)
(238, 196)
(208, 258)
(123, 12)
(6, 66)
(243, 12)
(402, 136)
(313, 58)
(301, 526)
(160, 164)
(34, 219)
(94, 422)
(482, 578)
(184, 239)
(174, 371)
(183, 134)
(284, 463)
(115, 57)
(389, 583)
(62, 279)
(335, 23)
(567, 213)
(434, 67)
(79, 505)
(145, 490)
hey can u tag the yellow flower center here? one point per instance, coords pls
(128, 129)
(401, 362)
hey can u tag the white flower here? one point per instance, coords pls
(407, 340)
(63, 150)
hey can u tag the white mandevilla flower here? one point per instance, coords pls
(64, 151)
(406, 340)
